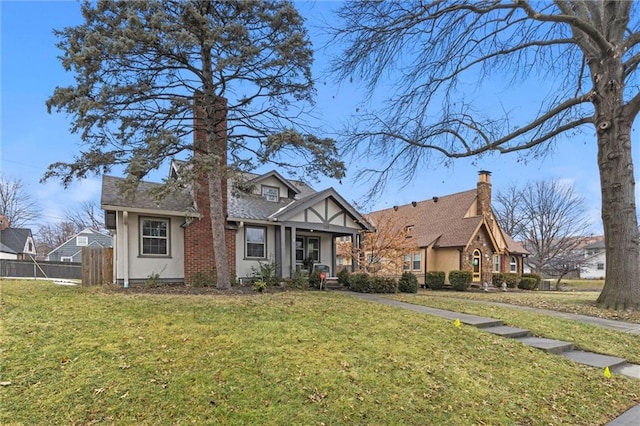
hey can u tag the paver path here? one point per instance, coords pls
(630, 418)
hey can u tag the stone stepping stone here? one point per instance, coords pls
(510, 332)
(548, 345)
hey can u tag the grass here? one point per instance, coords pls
(74, 355)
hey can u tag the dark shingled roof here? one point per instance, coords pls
(143, 200)
(442, 219)
(13, 240)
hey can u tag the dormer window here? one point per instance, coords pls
(271, 193)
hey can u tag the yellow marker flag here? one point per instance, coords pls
(607, 373)
(457, 322)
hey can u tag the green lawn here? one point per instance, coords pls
(74, 355)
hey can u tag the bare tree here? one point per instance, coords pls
(16, 203)
(138, 67)
(586, 52)
(550, 220)
(87, 215)
(52, 235)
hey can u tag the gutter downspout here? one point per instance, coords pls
(125, 247)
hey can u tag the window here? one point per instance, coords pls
(416, 261)
(313, 248)
(271, 193)
(496, 263)
(154, 236)
(256, 241)
(82, 240)
(600, 266)
(66, 259)
(406, 259)
(299, 249)
(513, 266)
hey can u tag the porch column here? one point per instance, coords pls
(292, 245)
(282, 251)
(278, 250)
(355, 244)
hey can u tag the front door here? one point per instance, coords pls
(477, 266)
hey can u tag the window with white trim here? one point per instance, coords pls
(154, 236)
(271, 193)
(255, 241)
(82, 240)
(66, 259)
(513, 266)
(415, 261)
(496, 263)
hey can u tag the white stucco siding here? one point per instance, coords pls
(244, 265)
(141, 267)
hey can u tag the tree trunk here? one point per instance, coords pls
(622, 283)
(218, 225)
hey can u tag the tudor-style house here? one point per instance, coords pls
(453, 232)
(269, 218)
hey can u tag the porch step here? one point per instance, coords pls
(332, 284)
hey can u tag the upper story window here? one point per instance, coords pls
(271, 193)
(82, 240)
(154, 236)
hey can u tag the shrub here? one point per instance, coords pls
(314, 279)
(537, 277)
(527, 283)
(511, 279)
(380, 284)
(298, 280)
(435, 280)
(408, 283)
(460, 280)
(343, 278)
(259, 286)
(497, 279)
(359, 282)
(266, 271)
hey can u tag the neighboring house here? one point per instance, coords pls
(268, 219)
(456, 232)
(16, 243)
(595, 262)
(71, 250)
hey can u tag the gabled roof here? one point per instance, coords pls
(88, 232)
(514, 246)
(113, 199)
(14, 239)
(278, 176)
(300, 205)
(440, 220)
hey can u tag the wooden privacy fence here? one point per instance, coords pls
(97, 265)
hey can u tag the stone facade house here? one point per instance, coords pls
(456, 232)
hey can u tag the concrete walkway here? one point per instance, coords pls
(616, 365)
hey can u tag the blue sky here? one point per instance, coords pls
(31, 139)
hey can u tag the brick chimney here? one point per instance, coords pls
(199, 256)
(4, 222)
(484, 193)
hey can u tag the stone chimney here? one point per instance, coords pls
(4, 222)
(199, 257)
(484, 193)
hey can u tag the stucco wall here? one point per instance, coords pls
(142, 267)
